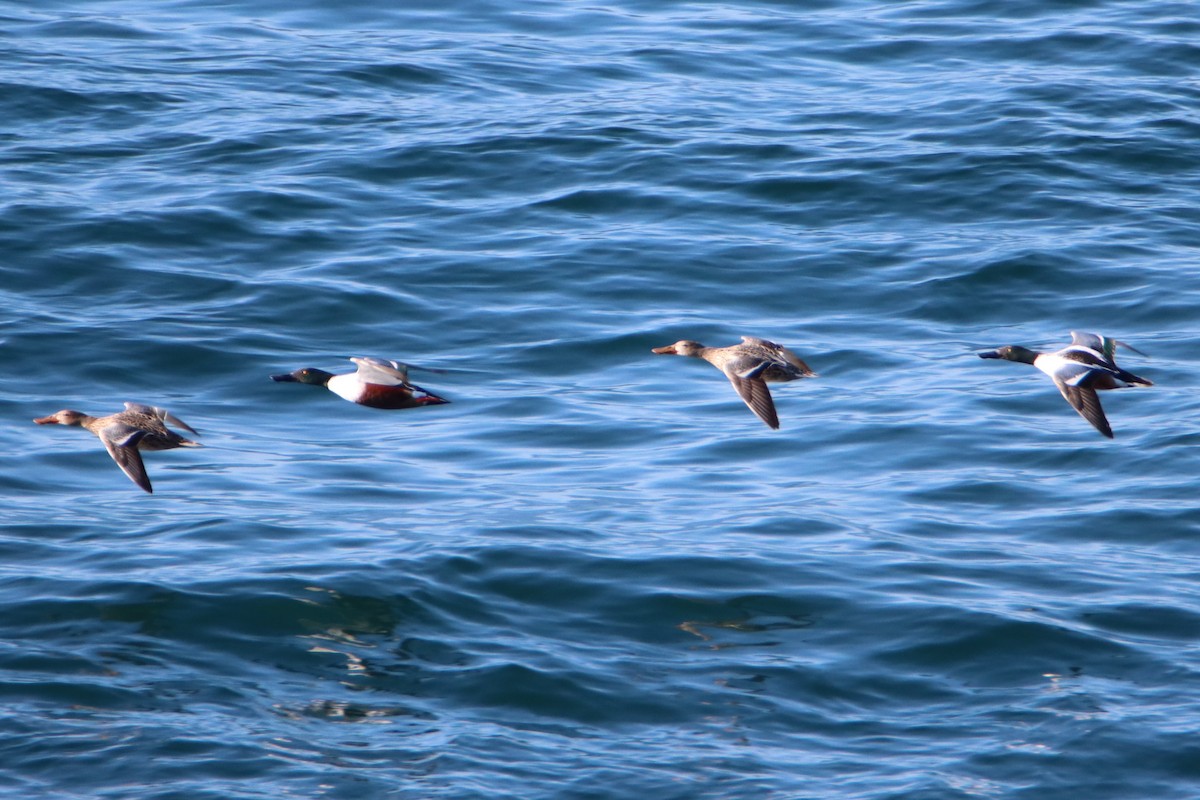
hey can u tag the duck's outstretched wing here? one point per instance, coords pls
(1083, 398)
(782, 353)
(121, 441)
(757, 396)
(164, 416)
(381, 371)
(1085, 349)
(1105, 345)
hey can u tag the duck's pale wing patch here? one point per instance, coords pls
(1105, 345)
(381, 371)
(781, 352)
(162, 415)
(1085, 357)
(1085, 400)
(757, 396)
(1101, 344)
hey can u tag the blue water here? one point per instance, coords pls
(594, 574)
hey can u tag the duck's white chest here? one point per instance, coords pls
(347, 387)
(1061, 369)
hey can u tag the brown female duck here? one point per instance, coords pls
(138, 427)
(749, 367)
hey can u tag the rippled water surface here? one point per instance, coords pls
(594, 574)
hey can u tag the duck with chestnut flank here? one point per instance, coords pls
(749, 367)
(1079, 370)
(378, 383)
(126, 433)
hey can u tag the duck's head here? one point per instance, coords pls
(684, 347)
(64, 417)
(1011, 352)
(311, 375)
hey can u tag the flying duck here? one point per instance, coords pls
(749, 367)
(138, 427)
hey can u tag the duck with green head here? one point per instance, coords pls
(377, 383)
(1079, 370)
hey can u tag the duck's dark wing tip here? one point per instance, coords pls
(1085, 400)
(757, 396)
(130, 461)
